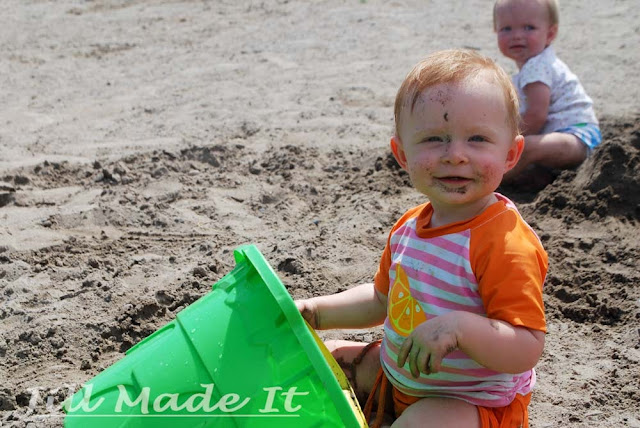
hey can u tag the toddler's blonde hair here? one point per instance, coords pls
(452, 66)
(552, 8)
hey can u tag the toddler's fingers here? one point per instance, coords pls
(424, 357)
(404, 351)
(413, 364)
(307, 310)
(303, 309)
(434, 363)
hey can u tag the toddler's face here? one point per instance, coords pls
(523, 29)
(457, 144)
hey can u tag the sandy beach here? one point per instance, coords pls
(142, 141)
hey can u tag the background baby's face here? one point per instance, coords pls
(523, 29)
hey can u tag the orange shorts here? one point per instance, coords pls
(515, 415)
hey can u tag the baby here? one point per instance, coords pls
(557, 116)
(459, 284)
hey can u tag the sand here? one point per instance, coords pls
(142, 141)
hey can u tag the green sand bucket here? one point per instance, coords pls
(240, 356)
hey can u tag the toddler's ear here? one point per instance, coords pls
(398, 152)
(514, 153)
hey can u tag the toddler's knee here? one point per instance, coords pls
(333, 345)
(409, 420)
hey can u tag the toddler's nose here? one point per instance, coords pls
(455, 152)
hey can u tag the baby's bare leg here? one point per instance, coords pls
(361, 363)
(362, 375)
(555, 150)
(439, 412)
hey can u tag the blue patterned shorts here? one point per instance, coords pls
(588, 133)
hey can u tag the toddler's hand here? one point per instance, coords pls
(309, 312)
(428, 344)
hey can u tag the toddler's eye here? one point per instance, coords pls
(433, 139)
(529, 27)
(505, 29)
(477, 138)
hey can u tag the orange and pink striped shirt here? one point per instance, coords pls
(493, 265)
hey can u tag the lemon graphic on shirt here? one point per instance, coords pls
(405, 313)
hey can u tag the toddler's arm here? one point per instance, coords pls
(359, 307)
(538, 97)
(495, 344)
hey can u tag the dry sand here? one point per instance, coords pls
(143, 140)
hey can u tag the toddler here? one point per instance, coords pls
(557, 116)
(459, 284)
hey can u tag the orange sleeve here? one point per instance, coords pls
(510, 265)
(381, 278)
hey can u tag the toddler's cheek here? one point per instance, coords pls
(490, 174)
(423, 166)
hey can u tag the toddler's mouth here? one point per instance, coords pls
(454, 179)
